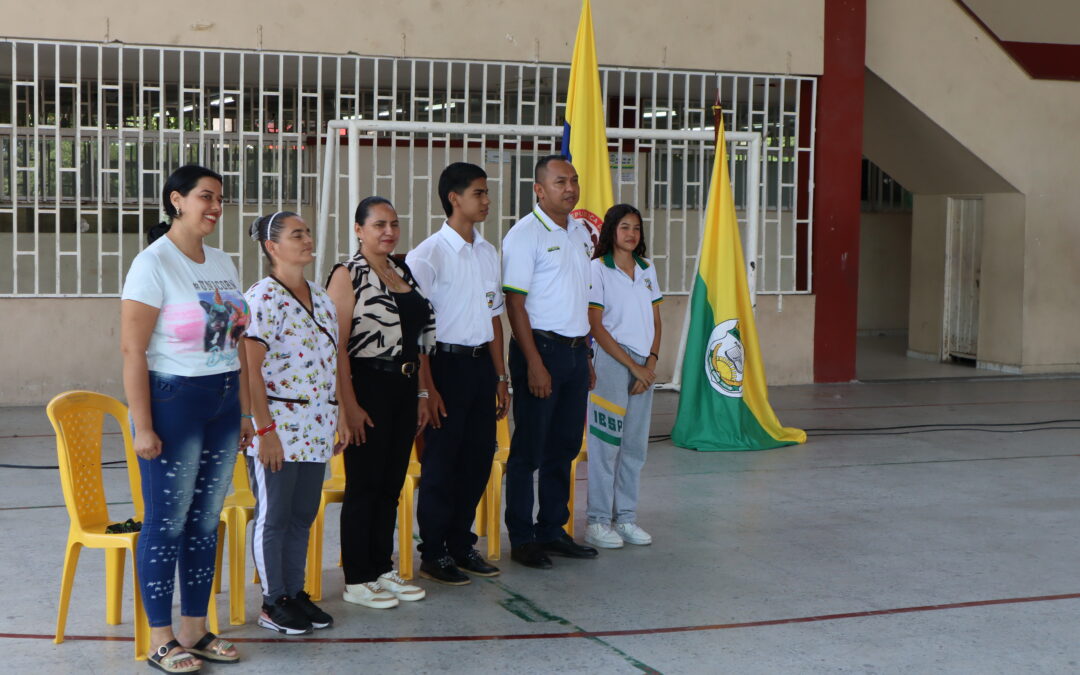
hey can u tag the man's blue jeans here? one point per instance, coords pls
(547, 437)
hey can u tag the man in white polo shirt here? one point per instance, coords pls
(458, 271)
(546, 281)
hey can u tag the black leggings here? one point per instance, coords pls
(375, 471)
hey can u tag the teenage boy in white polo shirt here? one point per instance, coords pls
(458, 272)
(546, 279)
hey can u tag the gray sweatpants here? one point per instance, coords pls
(618, 432)
(286, 503)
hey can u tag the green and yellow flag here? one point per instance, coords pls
(724, 403)
(584, 142)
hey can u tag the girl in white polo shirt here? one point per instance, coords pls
(624, 316)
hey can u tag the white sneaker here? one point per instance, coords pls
(632, 534)
(402, 590)
(369, 594)
(601, 535)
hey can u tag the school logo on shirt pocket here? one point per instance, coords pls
(648, 283)
(490, 299)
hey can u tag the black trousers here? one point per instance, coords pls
(375, 471)
(457, 457)
(547, 437)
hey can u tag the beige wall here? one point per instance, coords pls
(936, 58)
(59, 344)
(926, 299)
(1001, 289)
(785, 326)
(68, 344)
(766, 36)
(884, 266)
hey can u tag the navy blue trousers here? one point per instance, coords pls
(547, 437)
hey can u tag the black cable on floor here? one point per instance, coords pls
(905, 429)
(945, 424)
(54, 466)
(930, 431)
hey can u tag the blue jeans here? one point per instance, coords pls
(198, 422)
(547, 437)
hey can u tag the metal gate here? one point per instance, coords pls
(674, 250)
(963, 252)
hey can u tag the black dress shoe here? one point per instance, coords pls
(444, 571)
(530, 555)
(568, 548)
(473, 563)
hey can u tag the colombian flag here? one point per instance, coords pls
(584, 141)
(724, 403)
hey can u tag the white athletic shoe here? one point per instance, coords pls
(369, 594)
(402, 590)
(632, 534)
(601, 535)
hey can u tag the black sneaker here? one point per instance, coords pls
(318, 618)
(474, 563)
(285, 616)
(444, 571)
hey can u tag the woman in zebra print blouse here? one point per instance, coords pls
(386, 329)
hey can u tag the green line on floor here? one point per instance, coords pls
(527, 610)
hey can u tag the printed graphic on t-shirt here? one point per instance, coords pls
(213, 325)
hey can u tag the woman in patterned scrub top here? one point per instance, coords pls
(292, 361)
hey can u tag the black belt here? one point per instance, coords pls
(572, 341)
(462, 350)
(406, 368)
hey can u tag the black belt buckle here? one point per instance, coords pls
(552, 335)
(408, 368)
(478, 351)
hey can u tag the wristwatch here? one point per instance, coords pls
(502, 378)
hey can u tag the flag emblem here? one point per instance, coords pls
(724, 361)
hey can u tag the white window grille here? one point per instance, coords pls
(88, 133)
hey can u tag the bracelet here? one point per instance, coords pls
(422, 393)
(247, 417)
(267, 429)
(654, 355)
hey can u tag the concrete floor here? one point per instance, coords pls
(947, 551)
(883, 358)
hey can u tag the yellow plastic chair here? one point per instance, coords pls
(493, 494)
(406, 515)
(582, 456)
(237, 511)
(78, 419)
(495, 486)
(333, 492)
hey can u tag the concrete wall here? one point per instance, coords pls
(766, 36)
(927, 299)
(884, 272)
(1024, 130)
(1001, 289)
(59, 344)
(66, 343)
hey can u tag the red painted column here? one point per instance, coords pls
(837, 176)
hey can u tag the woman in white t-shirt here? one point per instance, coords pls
(181, 319)
(624, 317)
(292, 366)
